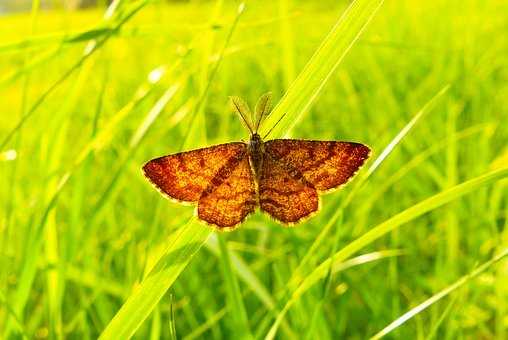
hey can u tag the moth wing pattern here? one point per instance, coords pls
(284, 193)
(324, 164)
(185, 175)
(231, 195)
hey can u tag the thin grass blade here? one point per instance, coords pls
(147, 295)
(394, 222)
(309, 83)
(299, 271)
(419, 209)
(89, 51)
(237, 312)
(29, 268)
(176, 256)
(436, 297)
(321, 272)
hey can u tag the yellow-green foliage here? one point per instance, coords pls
(87, 247)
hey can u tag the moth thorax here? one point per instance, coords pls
(255, 141)
(256, 151)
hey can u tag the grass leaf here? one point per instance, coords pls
(29, 267)
(438, 296)
(147, 295)
(91, 48)
(309, 83)
(240, 325)
(393, 223)
(174, 259)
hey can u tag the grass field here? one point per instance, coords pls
(413, 248)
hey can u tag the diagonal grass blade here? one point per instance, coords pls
(309, 83)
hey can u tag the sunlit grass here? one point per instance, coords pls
(412, 248)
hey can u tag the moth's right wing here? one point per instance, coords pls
(325, 164)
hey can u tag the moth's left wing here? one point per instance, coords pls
(284, 193)
(231, 195)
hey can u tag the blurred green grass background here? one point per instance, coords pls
(73, 249)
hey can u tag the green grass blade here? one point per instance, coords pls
(173, 260)
(419, 209)
(29, 267)
(299, 271)
(147, 295)
(309, 83)
(436, 297)
(321, 272)
(198, 332)
(404, 131)
(421, 158)
(172, 323)
(89, 51)
(244, 273)
(248, 277)
(393, 223)
(198, 112)
(387, 151)
(134, 142)
(445, 314)
(15, 320)
(237, 312)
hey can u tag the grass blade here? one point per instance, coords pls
(147, 295)
(309, 83)
(419, 159)
(173, 260)
(402, 133)
(245, 273)
(419, 209)
(89, 51)
(236, 306)
(299, 271)
(29, 267)
(436, 297)
(394, 222)
(387, 151)
(321, 272)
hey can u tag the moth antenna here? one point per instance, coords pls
(246, 123)
(273, 127)
(262, 109)
(240, 107)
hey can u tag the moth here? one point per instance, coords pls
(283, 177)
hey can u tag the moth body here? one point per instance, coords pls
(256, 150)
